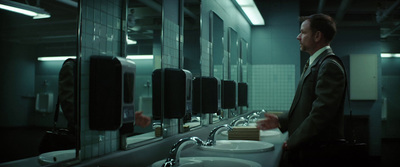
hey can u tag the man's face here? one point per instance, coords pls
(306, 37)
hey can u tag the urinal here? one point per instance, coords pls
(44, 102)
(145, 105)
(56, 156)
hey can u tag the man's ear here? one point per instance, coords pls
(318, 36)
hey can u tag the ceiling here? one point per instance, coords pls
(61, 27)
(359, 13)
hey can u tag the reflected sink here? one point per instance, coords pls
(239, 146)
(211, 162)
(56, 156)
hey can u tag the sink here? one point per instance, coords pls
(211, 162)
(239, 146)
(56, 156)
(263, 133)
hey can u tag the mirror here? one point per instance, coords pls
(233, 54)
(233, 62)
(243, 65)
(217, 41)
(217, 51)
(30, 86)
(191, 47)
(144, 22)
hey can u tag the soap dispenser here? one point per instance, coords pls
(228, 94)
(111, 92)
(177, 97)
(206, 95)
(243, 94)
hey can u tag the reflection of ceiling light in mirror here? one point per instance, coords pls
(55, 58)
(35, 12)
(388, 55)
(131, 42)
(139, 57)
(250, 10)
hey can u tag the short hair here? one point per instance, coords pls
(321, 22)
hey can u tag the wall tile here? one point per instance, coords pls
(101, 36)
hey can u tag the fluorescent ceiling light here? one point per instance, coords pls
(35, 12)
(55, 58)
(139, 57)
(130, 42)
(388, 55)
(250, 11)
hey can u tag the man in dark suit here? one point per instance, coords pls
(315, 118)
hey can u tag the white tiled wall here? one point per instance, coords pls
(101, 35)
(170, 59)
(170, 45)
(205, 57)
(272, 87)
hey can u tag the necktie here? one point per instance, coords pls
(306, 66)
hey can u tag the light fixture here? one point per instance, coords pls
(139, 57)
(35, 12)
(249, 9)
(388, 55)
(130, 42)
(55, 58)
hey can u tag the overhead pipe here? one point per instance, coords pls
(390, 32)
(387, 12)
(158, 7)
(69, 2)
(342, 10)
(152, 4)
(321, 6)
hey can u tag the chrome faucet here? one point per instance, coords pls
(239, 120)
(211, 138)
(252, 117)
(175, 152)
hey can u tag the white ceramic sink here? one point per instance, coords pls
(56, 156)
(263, 133)
(239, 146)
(211, 162)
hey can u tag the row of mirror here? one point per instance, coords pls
(226, 64)
(144, 28)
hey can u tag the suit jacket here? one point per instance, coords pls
(316, 114)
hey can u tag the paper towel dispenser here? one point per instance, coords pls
(243, 94)
(206, 95)
(177, 93)
(228, 94)
(111, 92)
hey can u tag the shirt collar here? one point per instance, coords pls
(317, 53)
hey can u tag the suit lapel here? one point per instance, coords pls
(304, 76)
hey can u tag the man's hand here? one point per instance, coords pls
(285, 146)
(271, 121)
(141, 120)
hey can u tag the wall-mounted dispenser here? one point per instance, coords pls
(228, 94)
(208, 89)
(111, 92)
(243, 94)
(177, 93)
